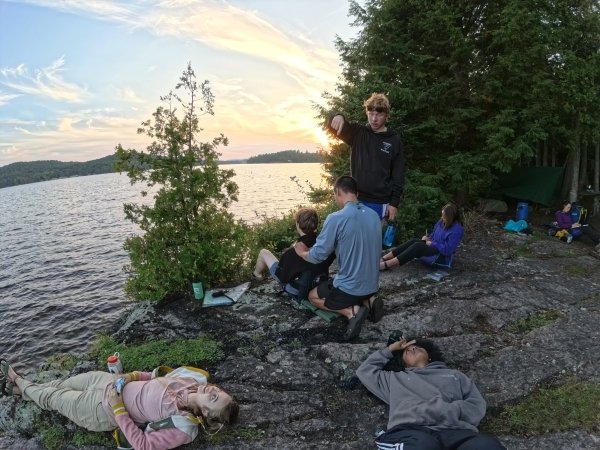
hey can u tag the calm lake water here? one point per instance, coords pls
(61, 278)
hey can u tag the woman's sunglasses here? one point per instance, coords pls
(377, 109)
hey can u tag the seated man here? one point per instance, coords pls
(430, 406)
(290, 268)
(354, 233)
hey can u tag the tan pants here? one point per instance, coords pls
(79, 398)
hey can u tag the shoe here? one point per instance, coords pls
(355, 323)
(569, 239)
(376, 310)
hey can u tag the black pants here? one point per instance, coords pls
(423, 438)
(591, 232)
(415, 248)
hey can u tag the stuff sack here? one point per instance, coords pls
(517, 226)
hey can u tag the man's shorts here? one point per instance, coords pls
(336, 299)
(379, 208)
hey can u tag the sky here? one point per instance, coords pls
(77, 77)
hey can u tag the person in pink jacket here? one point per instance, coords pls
(170, 409)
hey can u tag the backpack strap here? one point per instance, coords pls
(187, 424)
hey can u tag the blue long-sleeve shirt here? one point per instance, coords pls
(444, 240)
(354, 233)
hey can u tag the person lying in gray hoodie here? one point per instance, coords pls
(431, 407)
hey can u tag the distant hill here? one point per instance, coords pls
(34, 171)
(286, 156)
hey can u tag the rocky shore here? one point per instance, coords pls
(291, 371)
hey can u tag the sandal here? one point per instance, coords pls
(8, 389)
(376, 310)
(355, 323)
(4, 366)
(385, 266)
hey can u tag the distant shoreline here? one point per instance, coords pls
(19, 173)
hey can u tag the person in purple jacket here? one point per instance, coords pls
(575, 230)
(171, 409)
(443, 241)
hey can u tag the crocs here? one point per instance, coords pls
(376, 310)
(355, 323)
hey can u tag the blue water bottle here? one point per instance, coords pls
(388, 236)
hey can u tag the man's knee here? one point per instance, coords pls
(482, 441)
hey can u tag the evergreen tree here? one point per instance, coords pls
(188, 233)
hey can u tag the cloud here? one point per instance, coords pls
(6, 98)
(46, 82)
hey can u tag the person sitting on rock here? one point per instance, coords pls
(564, 222)
(288, 270)
(171, 409)
(431, 407)
(442, 242)
(354, 234)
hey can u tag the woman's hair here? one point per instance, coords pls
(307, 219)
(564, 203)
(216, 420)
(452, 214)
(396, 364)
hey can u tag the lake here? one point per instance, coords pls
(61, 278)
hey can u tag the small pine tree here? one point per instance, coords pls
(188, 233)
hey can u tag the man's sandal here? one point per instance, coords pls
(355, 323)
(375, 310)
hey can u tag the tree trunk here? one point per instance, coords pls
(545, 157)
(597, 169)
(575, 161)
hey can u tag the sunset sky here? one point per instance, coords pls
(78, 76)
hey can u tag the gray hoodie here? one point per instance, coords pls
(433, 396)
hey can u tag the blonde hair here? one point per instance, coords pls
(378, 99)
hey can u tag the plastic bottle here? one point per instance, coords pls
(114, 364)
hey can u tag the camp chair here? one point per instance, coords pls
(443, 262)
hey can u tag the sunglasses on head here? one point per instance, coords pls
(377, 109)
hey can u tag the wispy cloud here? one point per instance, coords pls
(6, 98)
(45, 82)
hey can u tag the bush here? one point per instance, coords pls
(188, 233)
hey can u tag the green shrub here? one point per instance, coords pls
(83, 438)
(171, 352)
(188, 233)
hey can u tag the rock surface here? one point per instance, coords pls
(290, 370)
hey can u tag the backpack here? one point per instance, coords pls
(579, 214)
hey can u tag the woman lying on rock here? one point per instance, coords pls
(170, 408)
(442, 242)
(431, 407)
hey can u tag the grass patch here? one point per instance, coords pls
(577, 270)
(83, 437)
(53, 437)
(570, 406)
(533, 321)
(170, 352)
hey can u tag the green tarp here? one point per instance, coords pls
(535, 184)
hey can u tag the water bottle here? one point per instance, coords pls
(114, 364)
(389, 236)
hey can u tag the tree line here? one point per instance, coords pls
(286, 156)
(477, 88)
(31, 172)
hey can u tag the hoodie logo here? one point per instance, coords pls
(386, 147)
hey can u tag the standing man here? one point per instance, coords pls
(377, 161)
(354, 233)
